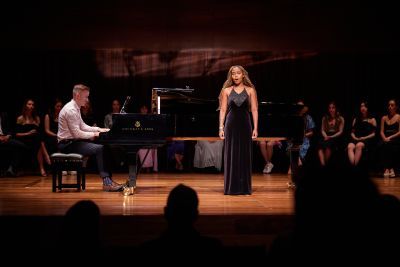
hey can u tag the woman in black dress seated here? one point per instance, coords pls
(28, 132)
(362, 134)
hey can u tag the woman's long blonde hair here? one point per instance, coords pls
(228, 83)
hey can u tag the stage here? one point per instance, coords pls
(28, 204)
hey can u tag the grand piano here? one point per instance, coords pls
(131, 132)
(178, 115)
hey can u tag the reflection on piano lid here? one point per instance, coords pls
(173, 90)
(179, 100)
(187, 115)
(194, 124)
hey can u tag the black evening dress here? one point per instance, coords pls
(238, 145)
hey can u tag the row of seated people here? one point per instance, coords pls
(332, 139)
(29, 136)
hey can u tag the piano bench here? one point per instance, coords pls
(68, 162)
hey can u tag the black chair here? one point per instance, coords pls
(68, 162)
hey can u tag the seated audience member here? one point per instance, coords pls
(148, 157)
(115, 108)
(51, 126)
(11, 149)
(338, 209)
(28, 131)
(332, 131)
(208, 154)
(88, 115)
(309, 127)
(267, 151)
(390, 144)
(181, 242)
(51, 129)
(175, 151)
(81, 231)
(362, 134)
(116, 151)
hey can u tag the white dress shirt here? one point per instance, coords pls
(71, 125)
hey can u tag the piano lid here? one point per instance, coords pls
(178, 100)
(173, 90)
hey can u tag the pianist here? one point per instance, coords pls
(74, 135)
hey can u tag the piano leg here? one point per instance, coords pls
(131, 183)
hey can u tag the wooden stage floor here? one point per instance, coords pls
(32, 195)
(28, 203)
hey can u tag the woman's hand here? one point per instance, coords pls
(32, 132)
(255, 134)
(221, 134)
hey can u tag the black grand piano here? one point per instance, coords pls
(178, 115)
(131, 132)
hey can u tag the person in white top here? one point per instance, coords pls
(74, 135)
(208, 154)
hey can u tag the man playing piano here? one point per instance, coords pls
(74, 135)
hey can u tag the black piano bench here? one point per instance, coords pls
(68, 162)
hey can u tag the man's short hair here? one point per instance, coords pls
(79, 88)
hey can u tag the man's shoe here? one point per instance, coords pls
(113, 187)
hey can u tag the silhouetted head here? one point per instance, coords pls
(81, 223)
(182, 206)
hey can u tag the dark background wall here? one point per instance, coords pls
(48, 47)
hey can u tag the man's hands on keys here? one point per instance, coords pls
(101, 130)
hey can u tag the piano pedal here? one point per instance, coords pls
(129, 190)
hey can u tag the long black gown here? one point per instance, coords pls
(238, 145)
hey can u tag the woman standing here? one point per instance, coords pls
(238, 97)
